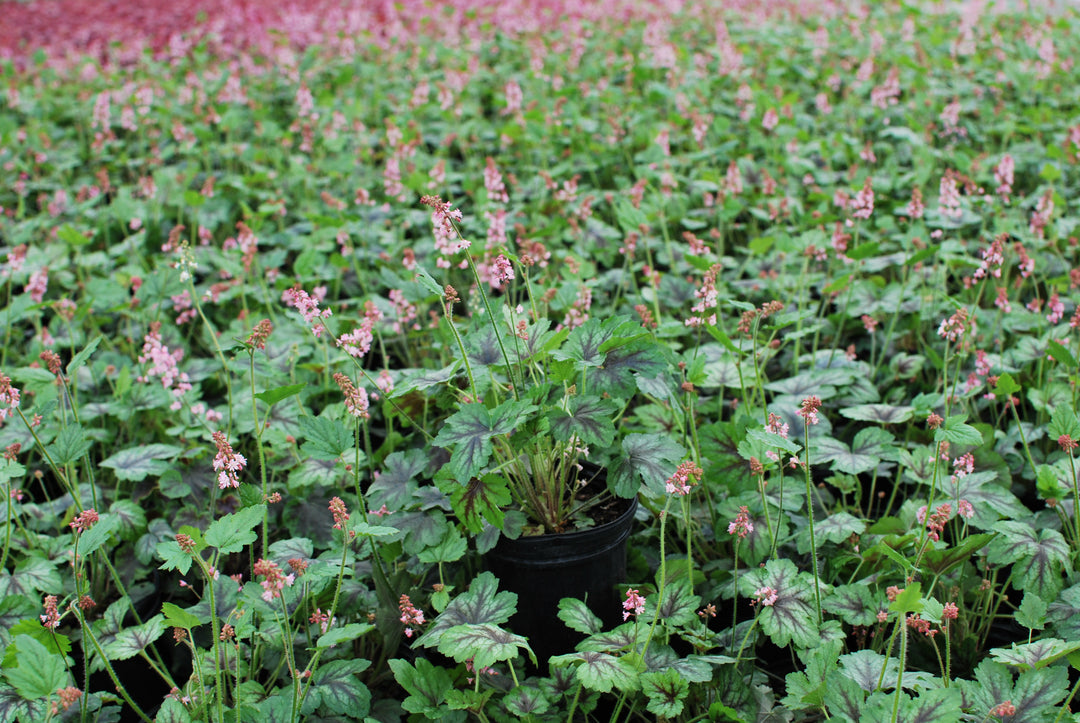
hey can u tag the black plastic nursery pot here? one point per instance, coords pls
(585, 564)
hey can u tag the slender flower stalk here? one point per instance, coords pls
(808, 412)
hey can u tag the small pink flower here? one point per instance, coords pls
(51, 618)
(9, 397)
(634, 604)
(767, 596)
(274, 581)
(741, 525)
(85, 520)
(951, 612)
(410, 615)
(679, 483)
(809, 409)
(227, 463)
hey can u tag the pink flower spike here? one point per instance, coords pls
(634, 604)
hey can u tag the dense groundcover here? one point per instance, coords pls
(304, 305)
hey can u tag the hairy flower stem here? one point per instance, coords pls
(262, 455)
(88, 634)
(900, 672)
(464, 356)
(735, 607)
(215, 635)
(494, 325)
(810, 515)
(52, 465)
(663, 578)
(1076, 497)
(217, 348)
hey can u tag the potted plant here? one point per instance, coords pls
(534, 452)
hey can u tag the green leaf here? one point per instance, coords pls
(69, 446)
(173, 557)
(485, 644)
(909, 600)
(429, 284)
(230, 533)
(525, 701)
(590, 419)
(865, 453)
(336, 636)
(836, 528)
(427, 686)
(275, 395)
(957, 433)
(336, 689)
(326, 438)
(32, 574)
(599, 671)
(481, 603)
(129, 642)
(477, 499)
(38, 672)
(678, 606)
(70, 235)
(1035, 693)
(99, 534)
(451, 548)
(1006, 386)
(1061, 354)
(79, 359)
(1032, 612)
(879, 413)
(853, 603)
(940, 705)
(177, 617)
(1063, 421)
(1032, 656)
(137, 463)
(364, 529)
(666, 691)
(468, 433)
(648, 459)
(939, 561)
(989, 500)
(172, 711)
(577, 616)
(1038, 557)
(791, 618)
(1064, 613)
(864, 668)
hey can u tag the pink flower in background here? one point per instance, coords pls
(38, 285)
(9, 397)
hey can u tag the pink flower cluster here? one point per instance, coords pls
(767, 596)
(410, 615)
(634, 604)
(275, 581)
(9, 397)
(358, 341)
(741, 525)
(308, 306)
(84, 521)
(164, 364)
(227, 463)
(356, 399)
(679, 483)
